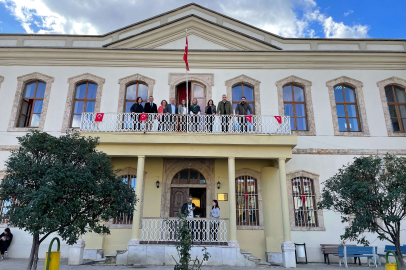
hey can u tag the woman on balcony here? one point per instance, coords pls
(194, 111)
(211, 112)
(215, 213)
(161, 109)
(137, 108)
(182, 110)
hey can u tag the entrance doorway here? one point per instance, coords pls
(187, 183)
(196, 90)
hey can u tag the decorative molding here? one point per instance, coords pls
(173, 166)
(9, 147)
(130, 171)
(256, 175)
(355, 152)
(126, 81)
(73, 81)
(308, 100)
(382, 84)
(315, 177)
(21, 82)
(207, 79)
(357, 85)
(249, 81)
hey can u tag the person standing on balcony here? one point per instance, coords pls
(188, 207)
(150, 107)
(210, 111)
(173, 110)
(5, 241)
(225, 109)
(182, 110)
(161, 109)
(215, 213)
(137, 108)
(194, 111)
(242, 109)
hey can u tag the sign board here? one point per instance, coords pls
(222, 196)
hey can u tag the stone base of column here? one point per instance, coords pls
(76, 253)
(288, 255)
(233, 243)
(134, 242)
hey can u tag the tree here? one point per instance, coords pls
(62, 185)
(370, 192)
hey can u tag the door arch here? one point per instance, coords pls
(195, 89)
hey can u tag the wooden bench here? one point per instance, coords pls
(345, 252)
(393, 248)
(328, 249)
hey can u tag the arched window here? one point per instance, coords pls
(4, 207)
(396, 99)
(247, 201)
(295, 106)
(84, 101)
(347, 108)
(243, 90)
(127, 218)
(188, 176)
(133, 91)
(31, 104)
(304, 202)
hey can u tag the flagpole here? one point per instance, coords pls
(187, 96)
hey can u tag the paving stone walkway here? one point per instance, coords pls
(20, 264)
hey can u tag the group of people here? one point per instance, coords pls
(172, 117)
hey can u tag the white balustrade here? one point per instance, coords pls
(127, 122)
(204, 230)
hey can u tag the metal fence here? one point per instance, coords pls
(127, 122)
(163, 231)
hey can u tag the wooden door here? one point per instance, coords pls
(199, 93)
(178, 198)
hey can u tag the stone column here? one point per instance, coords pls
(232, 242)
(76, 253)
(288, 248)
(135, 235)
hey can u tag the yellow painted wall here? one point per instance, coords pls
(252, 241)
(117, 239)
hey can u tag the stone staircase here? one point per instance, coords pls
(258, 262)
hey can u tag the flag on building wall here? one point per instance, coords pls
(185, 55)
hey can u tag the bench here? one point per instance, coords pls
(393, 248)
(345, 252)
(328, 249)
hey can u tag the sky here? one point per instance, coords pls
(287, 18)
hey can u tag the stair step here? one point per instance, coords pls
(244, 252)
(252, 258)
(121, 251)
(263, 263)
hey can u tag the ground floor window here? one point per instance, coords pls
(247, 201)
(126, 218)
(304, 202)
(4, 206)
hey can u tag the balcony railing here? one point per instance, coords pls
(168, 123)
(204, 230)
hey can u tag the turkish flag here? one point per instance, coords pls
(99, 117)
(249, 118)
(279, 119)
(185, 55)
(143, 116)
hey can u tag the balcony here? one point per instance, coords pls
(168, 123)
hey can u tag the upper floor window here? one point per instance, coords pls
(243, 90)
(295, 106)
(84, 101)
(247, 201)
(304, 202)
(347, 108)
(31, 104)
(396, 99)
(133, 91)
(126, 218)
(188, 176)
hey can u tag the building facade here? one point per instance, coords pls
(337, 98)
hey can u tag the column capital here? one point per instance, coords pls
(231, 157)
(281, 158)
(141, 156)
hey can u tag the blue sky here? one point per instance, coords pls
(288, 18)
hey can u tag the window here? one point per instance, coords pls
(247, 201)
(347, 108)
(85, 101)
(243, 90)
(295, 106)
(31, 104)
(133, 91)
(396, 99)
(304, 202)
(188, 177)
(127, 218)
(4, 206)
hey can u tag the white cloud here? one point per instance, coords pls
(348, 12)
(98, 17)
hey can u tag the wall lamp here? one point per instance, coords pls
(157, 184)
(218, 185)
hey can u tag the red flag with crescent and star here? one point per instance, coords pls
(99, 117)
(185, 55)
(279, 119)
(249, 118)
(143, 117)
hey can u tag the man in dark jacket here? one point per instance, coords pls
(225, 109)
(243, 108)
(5, 241)
(150, 107)
(189, 207)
